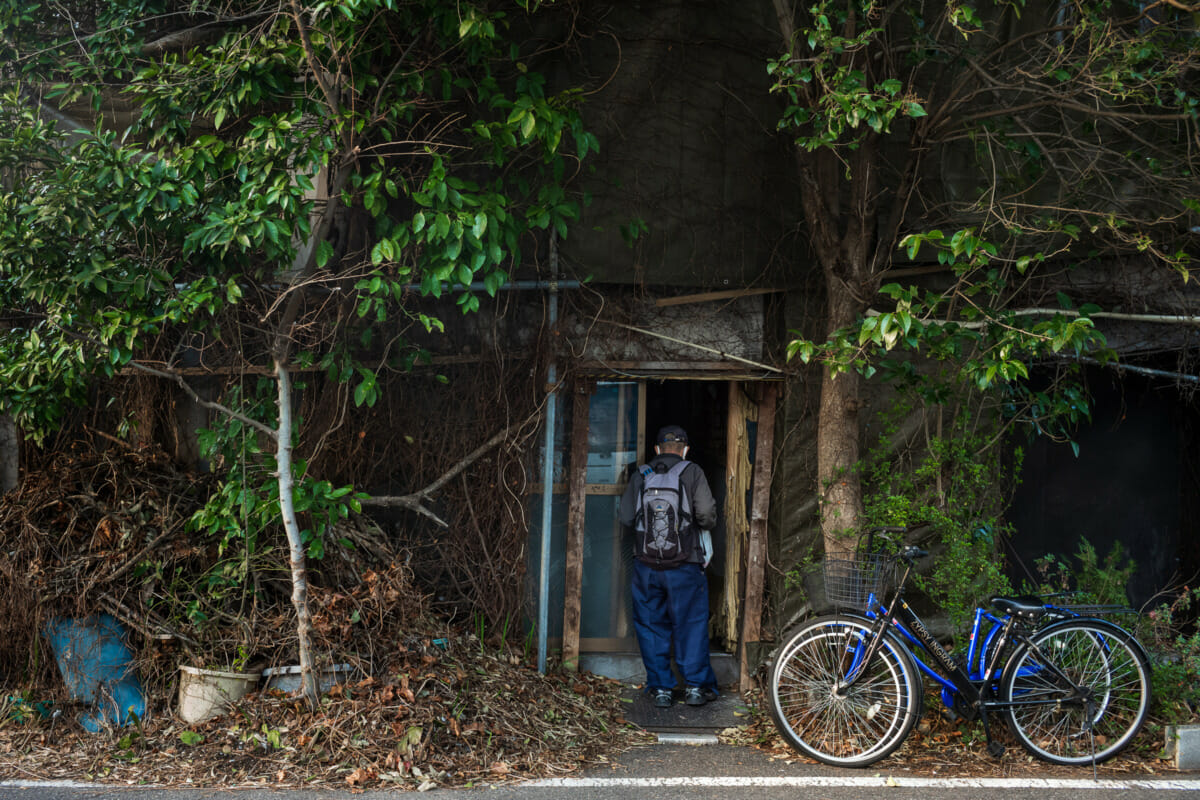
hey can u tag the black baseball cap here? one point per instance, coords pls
(672, 433)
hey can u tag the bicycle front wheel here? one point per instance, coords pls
(1080, 691)
(822, 717)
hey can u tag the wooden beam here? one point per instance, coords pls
(577, 500)
(756, 548)
(707, 297)
(737, 525)
(675, 370)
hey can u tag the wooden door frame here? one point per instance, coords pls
(754, 562)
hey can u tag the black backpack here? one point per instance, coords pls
(666, 536)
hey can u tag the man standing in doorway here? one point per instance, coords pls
(671, 508)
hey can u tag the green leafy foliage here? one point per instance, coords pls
(277, 187)
(849, 104)
(954, 490)
(1086, 577)
(1171, 632)
(201, 202)
(243, 512)
(998, 151)
(982, 345)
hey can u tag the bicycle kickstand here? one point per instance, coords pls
(995, 749)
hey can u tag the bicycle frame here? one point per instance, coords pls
(985, 629)
(975, 688)
(952, 677)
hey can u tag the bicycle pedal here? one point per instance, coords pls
(995, 749)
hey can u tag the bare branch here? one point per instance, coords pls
(225, 410)
(190, 37)
(417, 499)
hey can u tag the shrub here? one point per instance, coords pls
(954, 490)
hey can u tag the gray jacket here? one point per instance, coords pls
(704, 507)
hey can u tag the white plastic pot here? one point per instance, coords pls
(207, 693)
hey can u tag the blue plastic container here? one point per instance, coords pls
(97, 667)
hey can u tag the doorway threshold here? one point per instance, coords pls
(626, 667)
(680, 722)
(695, 724)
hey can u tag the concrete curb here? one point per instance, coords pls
(688, 738)
(1183, 746)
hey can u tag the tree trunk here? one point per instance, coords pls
(840, 204)
(287, 509)
(10, 455)
(837, 435)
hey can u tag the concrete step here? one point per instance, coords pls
(1183, 746)
(627, 667)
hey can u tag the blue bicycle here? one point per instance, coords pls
(847, 689)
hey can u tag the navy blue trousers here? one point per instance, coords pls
(670, 607)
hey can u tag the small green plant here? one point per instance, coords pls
(1171, 632)
(633, 230)
(1088, 579)
(17, 709)
(272, 739)
(529, 644)
(133, 742)
(243, 656)
(953, 490)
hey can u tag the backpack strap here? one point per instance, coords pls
(685, 497)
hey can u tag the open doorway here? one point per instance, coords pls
(701, 408)
(593, 568)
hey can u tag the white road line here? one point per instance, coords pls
(34, 784)
(876, 781)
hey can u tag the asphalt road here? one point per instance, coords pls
(672, 772)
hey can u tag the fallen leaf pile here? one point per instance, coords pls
(458, 716)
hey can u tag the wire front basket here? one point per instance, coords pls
(850, 581)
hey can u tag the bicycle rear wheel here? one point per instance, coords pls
(1063, 726)
(848, 726)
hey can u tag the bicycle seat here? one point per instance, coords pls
(1025, 607)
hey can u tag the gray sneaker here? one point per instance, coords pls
(694, 696)
(663, 698)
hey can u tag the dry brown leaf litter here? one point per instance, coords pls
(941, 747)
(465, 715)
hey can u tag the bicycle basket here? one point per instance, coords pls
(849, 581)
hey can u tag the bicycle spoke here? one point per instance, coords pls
(1084, 690)
(823, 717)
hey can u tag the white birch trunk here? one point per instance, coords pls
(287, 509)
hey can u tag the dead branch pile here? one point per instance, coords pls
(76, 536)
(106, 531)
